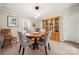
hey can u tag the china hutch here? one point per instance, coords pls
(53, 23)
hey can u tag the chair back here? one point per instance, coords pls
(47, 37)
(21, 38)
(42, 30)
(1, 39)
(49, 34)
(6, 32)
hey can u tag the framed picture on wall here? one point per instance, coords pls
(12, 21)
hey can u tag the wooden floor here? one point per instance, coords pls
(73, 44)
(57, 48)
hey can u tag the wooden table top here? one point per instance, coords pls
(35, 34)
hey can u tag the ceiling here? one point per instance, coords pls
(27, 9)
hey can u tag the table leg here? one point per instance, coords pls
(35, 45)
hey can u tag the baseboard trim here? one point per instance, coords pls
(72, 42)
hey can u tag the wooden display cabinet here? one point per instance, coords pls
(52, 23)
(46, 25)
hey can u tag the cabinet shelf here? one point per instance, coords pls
(52, 24)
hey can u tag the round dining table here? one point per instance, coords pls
(35, 36)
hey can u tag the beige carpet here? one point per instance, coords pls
(57, 48)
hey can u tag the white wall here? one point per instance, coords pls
(70, 23)
(3, 22)
(21, 19)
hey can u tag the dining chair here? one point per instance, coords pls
(48, 39)
(42, 30)
(44, 41)
(8, 38)
(24, 41)
(1, 40)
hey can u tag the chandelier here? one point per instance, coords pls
(36, 12)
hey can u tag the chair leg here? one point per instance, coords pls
(37, 46)
(10, 43)
(19, 48)
(45, 50)
(23, 51)
(2, 46)
(48, 46)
